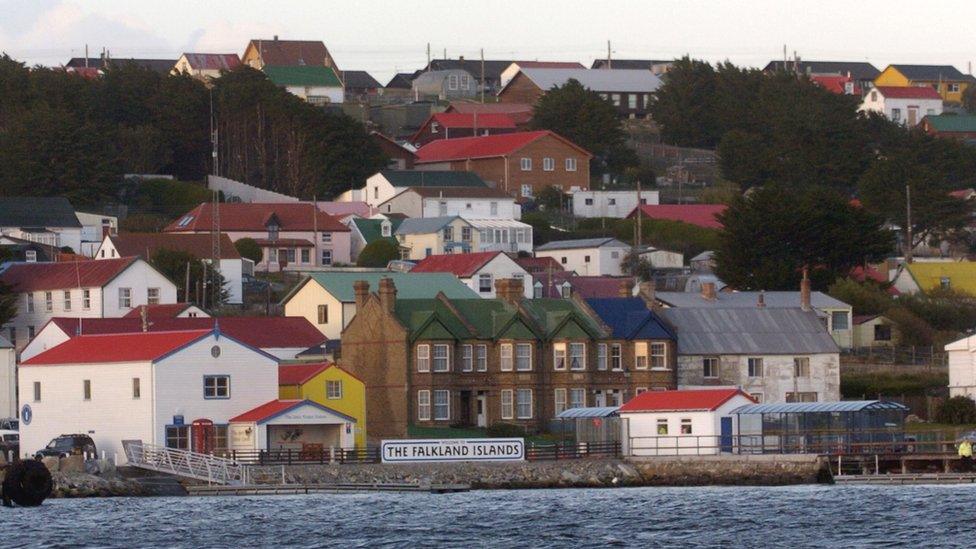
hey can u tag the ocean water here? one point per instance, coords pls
(797, 516)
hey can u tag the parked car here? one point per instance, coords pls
(68, 445)
(9, 443)
(9, 424)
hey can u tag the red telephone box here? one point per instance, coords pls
(204, 436)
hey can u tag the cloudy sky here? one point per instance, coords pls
(384, 37)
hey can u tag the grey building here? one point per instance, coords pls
(445, 85)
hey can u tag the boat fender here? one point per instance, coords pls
(27, 483)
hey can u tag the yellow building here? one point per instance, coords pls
(946, 79)
(329, 385)
(932, 275)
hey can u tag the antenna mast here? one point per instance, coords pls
(215, 248)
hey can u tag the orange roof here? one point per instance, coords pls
(298, 374)
(31, 277)
(488, 146)
(163, 310)
(696, 399)
(702, 215)
(270, 410)
(909, 92)
(460, 265)
(131, 347)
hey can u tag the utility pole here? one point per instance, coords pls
(428, 56)
(609, 61)
(908, 223)
(482, 80)
(215, 248)
(186, 287)
(640, 214)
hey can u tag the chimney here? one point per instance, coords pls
(388, 294)
(761, 302)
(276, 38)
(509, 290)
(708, 291)
(144, 316)
(626, 288)
(648, 291)
(361, 289)
(805, 291)
(106, 230)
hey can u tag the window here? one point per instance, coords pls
(640, 355)
(507, 406)
(560, 401)
(570, 164)
(467, 360)
(333, 389)
(537, 290)
(326, 257)
(527, 191)
(449, 233)
(307, 255)
(465, 234)
(953, 88)
(896, 115)
(465, 82)
(662, 426)
(136, 388)
(442, 359)
(37, 391)
(376, 193)
(615, 97)
(577, 356)
(838, 320)
(548, 164)
(30, 302)
(588, 201)
(710, 367)
(945, 283)
(220, 439)
(152, 296)
(874, 95)
(31, 256)
(601, 356)
(272, 232)
(882, 332)
(442, 405)
(755, 367)
(614, 255)
(272, 255)
(386, 229)
(452, 82)
(482, 358)
(442, 208)
(801, 367)
(177, 436)
(758, 397)
(505, 357)
(632, 101)
(423, 405)
(801, 397)
(423, 358)
(125, 298)
(86, 389)
(559, 356)
(659, 356)
(323, 314)
(577, 398)
(566, 290)
(616, 357)
(30, 333)
(216, 387)
(526, 164)
(484, 283)
(86, 299)
(686, 426)
(523, 403)
(586, 259)
(48, 301)
(523, 357)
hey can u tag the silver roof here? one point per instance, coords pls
(599, 80)
(755, 331)
(594, 411)
(5, 344)
(814, 407)
(424, 225)
(580, 243)
(737, 300)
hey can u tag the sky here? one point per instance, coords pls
(388, 37)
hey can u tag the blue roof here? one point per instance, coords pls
(629, 318)
(596, 411)
(816, 407)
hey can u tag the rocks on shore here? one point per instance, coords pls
(75, 478)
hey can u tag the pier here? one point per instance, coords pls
(292, 489)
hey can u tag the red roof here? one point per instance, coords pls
(835, 83)
(102, 348)
(265, 411)
(702, 215)
(909, 92)
(862, 274)
(539, 264)
(31, 277)
(297, 374)
(213, 61)
(488, 146)
(198, 245)
(964, 194)
(156, 312)
(255, 216)
(263, 332)
(587, 287)
(472, 120)
(460, 265)
(686, 400)
(521, 113)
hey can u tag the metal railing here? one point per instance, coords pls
(572, 450)
(184, 463)
(868, 443)
(317, 456)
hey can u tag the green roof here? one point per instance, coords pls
(372, 229)
(952, 122)
(408, 285)
(413, 178)
(302, 75)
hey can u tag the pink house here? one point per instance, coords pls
(293, 236)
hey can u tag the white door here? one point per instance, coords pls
(600, 400)
(482, 411)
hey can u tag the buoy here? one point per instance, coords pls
(27, 483)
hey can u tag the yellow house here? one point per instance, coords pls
(420, 237)
(932, 275)
(946, 79)
(329, 385)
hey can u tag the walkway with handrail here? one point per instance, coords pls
(183, 463)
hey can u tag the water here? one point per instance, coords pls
(799, 516)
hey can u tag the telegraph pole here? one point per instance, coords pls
(428, 56)
(609, 62)
(908, 223)
(482, 80)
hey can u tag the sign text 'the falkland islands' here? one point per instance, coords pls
(461, 449)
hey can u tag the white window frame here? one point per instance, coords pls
(507, 404)
(467, 358)
(616, 355)
(601, 356)
(641, 360)
(49, 301)
(526, 191)
(582, 357)
(438, 347)
(481, 358)
(525, 164)
(482, 280)
(751, 367)
(506, 357)
(152, 296)
(519, 349)
(801, 366)
(125, 298)
(443, 406)
(570, 164)
(519, 403)
(85, 300)
(559, 401)
(423, 357)
(423, 405)
(560, 356)
(30, 302)
(333, 389)
(452, 82)
(581, 400)
(548, 164)
(658, 355)
(686, 423)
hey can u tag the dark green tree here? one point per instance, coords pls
(969, 99)
(208, 288)
(684, 107)
(378, 253)
(249, 249)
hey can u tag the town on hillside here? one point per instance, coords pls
(267, 257)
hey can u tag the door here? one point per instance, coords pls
(726, 438)
(600, 399)
(481, 409)
(465, 418)
(912, 116)
(203, 433)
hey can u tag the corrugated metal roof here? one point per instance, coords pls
(580, 243)
(597, 411)
(601, 80)
(748, 300)
(756, 331)
(425, 225)
(484, 223)
(817, 407)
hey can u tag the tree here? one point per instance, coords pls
(583, 117)
(8, 304)
(772, 234)
(551, 199)
(208, 288)
(684, 107)
(378, 253)
(634, 265)
(958, 410)
(865, 298)
(969, 99)
(249, 249)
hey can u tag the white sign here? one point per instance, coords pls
(457, 449)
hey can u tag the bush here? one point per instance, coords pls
(865, 298)
(957, 410)
(857, 386)
(505, 430)
(144, 223)
(912, 330)
(378, 253)
(249, 249)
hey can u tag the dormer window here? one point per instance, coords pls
(386, 229)
(273, 231)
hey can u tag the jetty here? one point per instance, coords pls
(909, 478)
(292, 489)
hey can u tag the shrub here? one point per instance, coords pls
(378, 253)
(249, 249)
(957, 410)
(865, 298)
(887, 384)
(912, 329)
(505, 430)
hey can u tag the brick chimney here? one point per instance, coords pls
(626, 288)
(361, 289)
(509, 290)
(708, 291)
(388, 294)
(144, 317)
(805, 291)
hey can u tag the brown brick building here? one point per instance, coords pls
(441, 362)
(628, 90)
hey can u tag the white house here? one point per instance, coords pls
(177, 389)
(205, 65)
(386, 184)
(82, 289)
(94, 227)
(962, 367)
(291, 425)
(476, 202)
(682, 422)
(317, 84)
(663, 259)
(905, 105)
(587, 256)
(199, 245)
(477, 271)
(8, 379)
(47, 220)
(501, 235)
(618, 204)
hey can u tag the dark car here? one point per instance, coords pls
(9, 444)
(68, 445)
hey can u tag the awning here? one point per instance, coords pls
(819, 407)
(596, 411)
